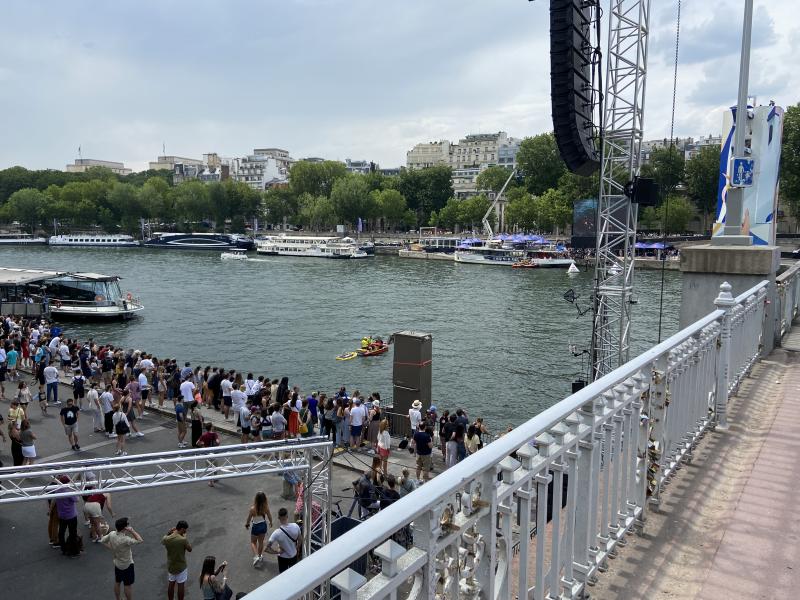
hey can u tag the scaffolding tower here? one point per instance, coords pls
(623, 116)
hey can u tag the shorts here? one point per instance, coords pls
(71, 429)
(383, 452)
(179, 577)
(145, 394)
(93, 509)
(226, 400)
(424, 462)
(65, 363)
(258, 528)
(124, 576)
(40, 378)
(78, 394)
(245, 431)
(355, 430)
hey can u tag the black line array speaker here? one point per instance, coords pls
(571, 84)
(646, 191)
(411, 374)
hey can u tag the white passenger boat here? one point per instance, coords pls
(550, 258)
(310, 246)
(234, 255)
(488, 255)
(93, 239)
(21, 239)
(88, 295)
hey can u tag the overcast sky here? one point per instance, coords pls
(336, 78)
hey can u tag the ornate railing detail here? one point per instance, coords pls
(788, 284)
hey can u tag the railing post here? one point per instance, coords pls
(725, 302)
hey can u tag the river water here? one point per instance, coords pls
(501, 336)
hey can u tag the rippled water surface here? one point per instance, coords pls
(501, 336)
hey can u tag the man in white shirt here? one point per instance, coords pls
(226, 385)
(415, 416)
(284, 541)
(107, 406)
(146, 364)
(244, 415)
(187, 391)
(93, 399)
(66, 359)
(358, 414)
(53, 346)
(144, 387)
(51, 380)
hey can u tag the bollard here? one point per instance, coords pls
(724, 301)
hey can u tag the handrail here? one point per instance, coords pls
(788, 273)
(751, 292)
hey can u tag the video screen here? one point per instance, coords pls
(584, 217)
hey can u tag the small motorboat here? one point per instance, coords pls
(525, 264)
(374, 350)
(573, 270)
(347, 356)
(234, 254)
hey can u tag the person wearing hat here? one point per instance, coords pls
(415, 416)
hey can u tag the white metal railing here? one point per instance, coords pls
(788, 284)
(604, 450)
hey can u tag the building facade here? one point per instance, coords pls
(281, 157)
(81, 165)
(361, 166)
(259, 171)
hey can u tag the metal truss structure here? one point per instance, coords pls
(623, 117)
(310, 459)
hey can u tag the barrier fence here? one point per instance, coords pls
(578, 475)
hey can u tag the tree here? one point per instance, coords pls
(392, 206)
(471, 211)
(649, 219)
(316, 179)
(26, 206)
(350, 197)
(540, 163)
(192, 203)
(790, 160)
(280, 204)
(156, 200)
(666, 168)
(425, 190)
(126, 208)
(675, 214)
(524, 211)
(493, 178)
(448, 216)
(702, 180)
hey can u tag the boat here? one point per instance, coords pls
(311, 246)
(550, 257)
(199, 241)
(234, 254)
(374, 351)
(116, 240)
(21, 239)
(88, 296)
(488, 255)
(347, 356)
(573, 269)
(525, 263)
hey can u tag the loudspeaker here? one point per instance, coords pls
(412, 370)
(571, 90)
(646, 192)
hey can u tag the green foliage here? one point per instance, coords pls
(678, 211)
(471, 211)
(666, 167)
(649, 219)
(192, 204)
(392, 206)
(279, 204)
(544, 213)
(702, 178)
(425, 190)
(316, 212)
(316, 179)
(540, 163)
(493, 178)
(26, 206)
(790, 160)
(351, 198)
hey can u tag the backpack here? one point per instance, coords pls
(77, 384)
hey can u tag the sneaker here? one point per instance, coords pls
(124, 454)
(139, 434)
(57, 402)
(255, 560)
(118, 452)
(77, 447)
(145, 413)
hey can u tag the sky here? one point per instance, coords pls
(337, 79)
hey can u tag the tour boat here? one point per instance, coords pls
(310, 246)
(199, 241)
(88, 295)
(550, 258)
(117, 240)
(235, 254)
(21, 239)
(488, 255)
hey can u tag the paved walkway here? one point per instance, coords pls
(726, 527)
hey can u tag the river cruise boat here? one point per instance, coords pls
(235, 254)
(545, 258)
(65, 295)
(21, 239)
(310, 246)
(488, 255)
(200, 241)
(93, 239)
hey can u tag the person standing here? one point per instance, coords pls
(51, 381)
(258, 515)
(78, 387)
(285, 541)
(107, 406)
(210, 584)
(209, 439)
(12, 356)
(67, 511)
(358, 415)
(120, 543)
(93, 505)
(423, 442)
(226, 386)
(177, 546)
(69, 419)
(27, 439)
(122, 428)
(196, 418)
(144, 387)
(384, 445)
(93, 400)
(415, 416)
(278, 422)
(23, 396)
(14, 435)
